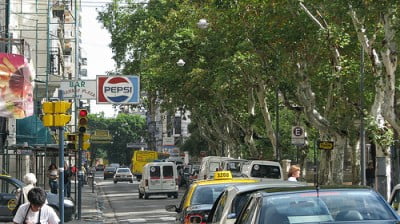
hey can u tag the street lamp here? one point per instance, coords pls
(202, 24)
(180, 62)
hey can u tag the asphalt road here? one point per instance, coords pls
(121, 203)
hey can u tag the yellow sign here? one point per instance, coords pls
(221, 175)
(327, 145)
(12, 204)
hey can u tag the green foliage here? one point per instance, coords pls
(124, 128)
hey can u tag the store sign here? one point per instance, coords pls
(81, 89)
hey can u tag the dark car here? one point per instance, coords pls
(345, 204)
(100, 167)
(8, 190)
(109, 172)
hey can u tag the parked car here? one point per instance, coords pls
(394, 199)
(159, 178)
(233, 198)
(209, 165)
(233, 165)
(9, 187)
(330, 204)
(201, 195)
(123, 174)
(109, 172)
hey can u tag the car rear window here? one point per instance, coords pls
(123, 170)
(155, 172)
(265, 171)
(110, 169)
(324, 207)
(168, 171)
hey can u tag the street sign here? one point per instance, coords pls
(326, 145)
(298, 135)
(168, 141)
(82, 89)
(297, 132)
(136, 145)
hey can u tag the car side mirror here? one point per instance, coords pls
(231, 216)
(171, 208)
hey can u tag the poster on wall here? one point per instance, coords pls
(16, 86)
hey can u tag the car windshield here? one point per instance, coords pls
(207, 194)
(123, 170)
(327, 206)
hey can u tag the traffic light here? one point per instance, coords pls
(85, 141)
(56, 113)
(71, 138)
(82, 120)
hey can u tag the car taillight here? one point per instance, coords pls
(146, 183)
(194, 219)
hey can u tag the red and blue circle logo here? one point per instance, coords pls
(118, 89)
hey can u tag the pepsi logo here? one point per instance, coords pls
(118, 89)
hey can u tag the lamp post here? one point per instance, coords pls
(202, 24)
(181, 63)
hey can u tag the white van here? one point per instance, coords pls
(159, 178)
(262, 169)
(233, 165)
(209, 165)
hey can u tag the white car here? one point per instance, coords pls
(123, 174)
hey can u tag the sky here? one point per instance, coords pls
(95, 41)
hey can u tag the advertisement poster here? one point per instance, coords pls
(16, 86)
(118, 89)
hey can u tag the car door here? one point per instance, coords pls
(8, 198)
(167, 178)
(155, 178)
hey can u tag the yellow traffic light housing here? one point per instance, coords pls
(82, 120)
(85, 141)
(56, 113)
(85, 145)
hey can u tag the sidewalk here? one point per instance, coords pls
(91, 210)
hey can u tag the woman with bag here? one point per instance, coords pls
(53, 177)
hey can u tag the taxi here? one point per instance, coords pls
(201, 195)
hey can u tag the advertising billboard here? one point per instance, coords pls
(118, 89)
(16, 86)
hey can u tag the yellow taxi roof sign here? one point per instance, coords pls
(222, 175)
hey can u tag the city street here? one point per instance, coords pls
(122, 204)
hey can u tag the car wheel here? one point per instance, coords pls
(140, 195)
(115, 181)
(176, 195)
(146, 196)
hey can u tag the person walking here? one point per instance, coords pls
(30, 181)
(36, 210)
(294, 173)
(53, 177)
(370, 174)
(67, 180)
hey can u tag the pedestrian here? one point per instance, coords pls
(370, 174)
(67, 180)
(22, 196)
(294, 173)
(53, 178)
(36, 210)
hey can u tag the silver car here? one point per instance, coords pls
(123, 174)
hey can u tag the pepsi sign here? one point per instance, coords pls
(118, 89)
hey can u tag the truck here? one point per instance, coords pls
(139, 159)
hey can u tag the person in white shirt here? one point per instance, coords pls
(36, 210)
(294, 173)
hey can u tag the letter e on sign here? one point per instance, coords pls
(297, 132)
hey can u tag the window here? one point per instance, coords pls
(154, 171)
(248, 212)
(7, 187)
(168, 172)
(220, 207)
(265, 171)
(395, 202)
